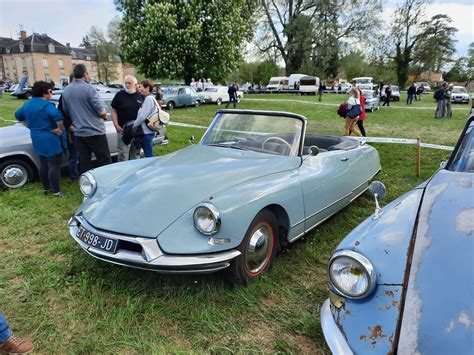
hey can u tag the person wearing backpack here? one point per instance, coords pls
(353, 113)
(447, 101)
(439, 97)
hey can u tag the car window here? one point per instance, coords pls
(187, 91)
(460, 90)
(279, 135)
(464, 159)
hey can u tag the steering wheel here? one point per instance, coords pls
(278, 139)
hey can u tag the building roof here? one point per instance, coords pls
(5, 43)
(35, 43)
(83, 53)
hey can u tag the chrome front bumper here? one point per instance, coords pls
(145, 253)
(332, 334)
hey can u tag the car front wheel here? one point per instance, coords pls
(219, 101)
(15, 173)
(170, 105)
(258, 249)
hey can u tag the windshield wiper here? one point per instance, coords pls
(224, 145)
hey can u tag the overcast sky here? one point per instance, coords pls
(69, 20)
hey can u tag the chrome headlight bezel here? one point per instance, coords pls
(87, 184)
(363, 264)
(208, 210)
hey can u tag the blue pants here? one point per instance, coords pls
(147, 145)
(5, 332)
(73, 159)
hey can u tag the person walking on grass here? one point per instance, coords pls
(350, 123)
(232, 91)
(439, 97)
(447, 101)
(47, 135)
(388, 96)
(411, 93)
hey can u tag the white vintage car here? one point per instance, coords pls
(459, 94)
(218, 95)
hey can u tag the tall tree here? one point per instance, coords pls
(106, 54)
(405, 34)
(330, 22)
(437, 45)
(174, 38)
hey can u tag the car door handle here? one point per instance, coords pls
(345, 159)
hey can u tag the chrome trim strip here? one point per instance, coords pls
(332, 334)
(152, 257)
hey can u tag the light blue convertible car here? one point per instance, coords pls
(257, 181)
(403, 280)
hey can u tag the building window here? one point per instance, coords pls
(94, 68)
(61, 63)
(51, 48)
(22, 47)
(47, 77)
(23, 61)
(45, 62)
(13, 63)
(88, 57)
(73, 65)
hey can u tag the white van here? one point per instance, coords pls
(365, 81)
(278, 83)
(294, 81)
(309, 85)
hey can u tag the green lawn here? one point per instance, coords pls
(68, 302)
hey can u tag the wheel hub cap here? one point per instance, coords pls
(259, 249)
(14, 176)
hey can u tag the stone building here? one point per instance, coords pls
(43, 58)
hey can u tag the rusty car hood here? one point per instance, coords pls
(438, 313)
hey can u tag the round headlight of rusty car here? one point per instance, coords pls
(352, 274)
(207, 219)
(87, 184)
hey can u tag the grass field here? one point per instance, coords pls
(69, 302)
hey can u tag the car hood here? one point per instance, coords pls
(144, 200)
(438, 315)
(14, 135)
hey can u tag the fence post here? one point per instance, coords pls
(418, 156)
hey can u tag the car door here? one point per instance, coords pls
(324, 181)
(184, 96)
(110, 131)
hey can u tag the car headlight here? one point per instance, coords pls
(352, 274)
(87, 184)
(207, 219)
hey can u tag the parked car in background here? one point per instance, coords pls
(459, 95)
(372, 100)
(217, 95)
(367, 82)
(403, 280)
(309, 85)
(256, 182)
(26, 93)
(343, 88)
(180, 96)
(19, 163)
(294, 81)
(278, 83)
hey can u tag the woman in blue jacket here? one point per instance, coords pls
(46, 129)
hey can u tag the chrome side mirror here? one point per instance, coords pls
(378, 190)
(313, 150)
(191, 140)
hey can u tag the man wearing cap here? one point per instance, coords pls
(82, 102)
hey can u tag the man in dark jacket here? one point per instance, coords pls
(388, 95)
(232, 95)
(411, 93)
(439, 97)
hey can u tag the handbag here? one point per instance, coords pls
(156, 118)
(354, 111)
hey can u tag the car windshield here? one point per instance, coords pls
(367, 94)
(274, 82)
(363, 81)
(211, 90)
(169, 91)
(460, 90)
(394, 88)
(464, 159)
(271, 134)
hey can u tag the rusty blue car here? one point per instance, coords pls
(403, 280)
(256, 182)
